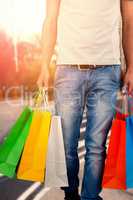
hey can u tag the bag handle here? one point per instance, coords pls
(41, 98)
(123, 105)
(125, 100)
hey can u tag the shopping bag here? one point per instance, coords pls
(129, 152)
(12, 146)
(115, 166)
(33, 160)
(8, 116)
(56, 172)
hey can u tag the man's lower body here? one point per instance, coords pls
(96, 90)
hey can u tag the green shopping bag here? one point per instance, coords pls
(12, 145)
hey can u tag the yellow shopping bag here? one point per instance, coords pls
(33, 160)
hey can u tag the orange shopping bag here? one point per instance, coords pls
(33, 161)
(115, 166)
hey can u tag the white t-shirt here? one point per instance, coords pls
(88, 32)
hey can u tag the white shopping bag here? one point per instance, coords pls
(56, 172)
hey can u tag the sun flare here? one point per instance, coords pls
(22, 17)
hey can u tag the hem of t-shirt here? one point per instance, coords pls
(89, 62)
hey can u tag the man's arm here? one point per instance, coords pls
(127, 19)
(49, 36)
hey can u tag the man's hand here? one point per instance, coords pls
(129, 80)
(43, 78)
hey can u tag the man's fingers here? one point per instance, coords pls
(126, 80)
(126, 84)
(130, 88)
(40, 83)
(46, 80)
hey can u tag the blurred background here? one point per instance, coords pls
(20, 46)
(21, 24)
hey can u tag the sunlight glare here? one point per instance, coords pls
(22, 17)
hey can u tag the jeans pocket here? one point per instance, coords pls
(59, 73)
(116, 69)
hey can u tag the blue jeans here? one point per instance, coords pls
(96, 90)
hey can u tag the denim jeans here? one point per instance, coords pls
(96, 90)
